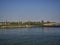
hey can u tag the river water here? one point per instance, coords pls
(30, 36)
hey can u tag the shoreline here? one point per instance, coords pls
(28, 24)
(32, 26)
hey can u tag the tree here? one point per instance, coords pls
(42, 21)
(48, 21)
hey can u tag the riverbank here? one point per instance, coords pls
(28, 24)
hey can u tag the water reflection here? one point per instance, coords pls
(29, 30)
(30, 36)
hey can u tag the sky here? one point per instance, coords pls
(30, 10)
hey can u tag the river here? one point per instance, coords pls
(30, 36)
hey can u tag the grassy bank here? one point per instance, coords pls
(28, 24)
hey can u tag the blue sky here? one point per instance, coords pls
(30, 10)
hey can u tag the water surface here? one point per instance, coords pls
(30, 36)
